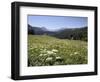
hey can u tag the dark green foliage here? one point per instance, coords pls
(30, 30)
(75, 34)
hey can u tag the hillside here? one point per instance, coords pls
(45, 50)
(74, 33)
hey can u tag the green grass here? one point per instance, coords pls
(45, 50)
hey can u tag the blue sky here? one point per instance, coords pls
(57, 22)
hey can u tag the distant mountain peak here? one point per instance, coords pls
(44, 28)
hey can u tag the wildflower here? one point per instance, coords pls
(41, 55)
(58, 57)
(49, 52)
(71, 54)
(43, 51)
(49, 59)
(76, 53)
(44, 54)
(54, 50)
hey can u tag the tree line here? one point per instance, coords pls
(71, 33)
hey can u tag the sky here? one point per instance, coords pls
(57, 22)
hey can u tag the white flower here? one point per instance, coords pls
(44, 54)
(49, 59)
(41, 55)
(49, 52)
(58, 57)
(76, 53)
(54, 50)
(71, 54)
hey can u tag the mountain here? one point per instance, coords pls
(44, 29)
(38, 30)
(30, 29)
(66, 33)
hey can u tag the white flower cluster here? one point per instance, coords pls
(49, 59)
(58, 57)
(54, 50)
(42, 54)
(75, 53)
(45, 52)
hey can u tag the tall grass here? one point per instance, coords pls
(45, 50)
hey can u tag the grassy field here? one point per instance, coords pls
(45, 50)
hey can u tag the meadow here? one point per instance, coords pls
(44, 50)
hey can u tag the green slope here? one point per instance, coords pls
(44, 50)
